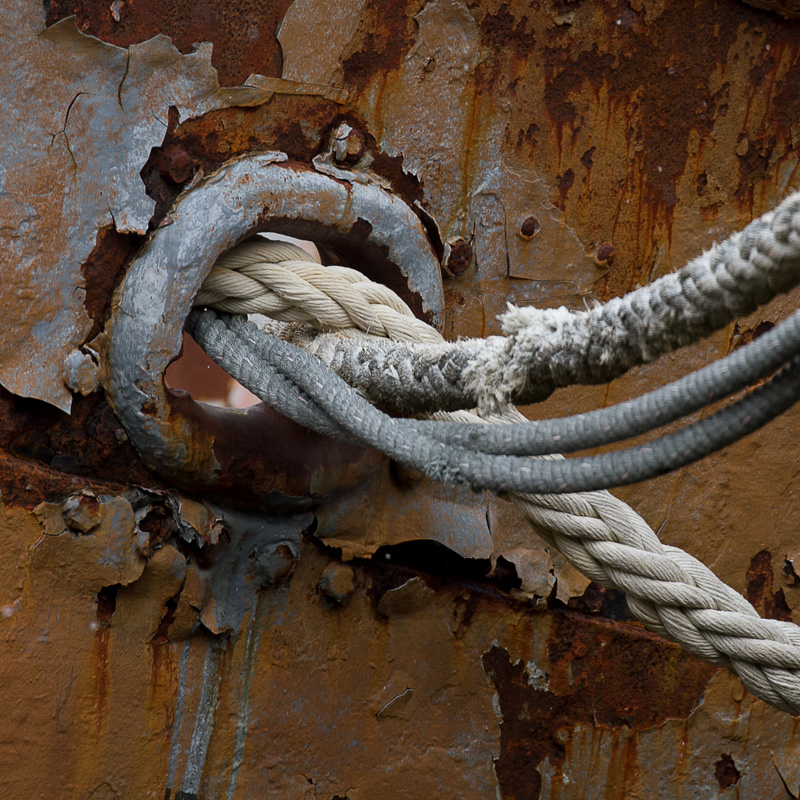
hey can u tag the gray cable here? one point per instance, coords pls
(241, 350)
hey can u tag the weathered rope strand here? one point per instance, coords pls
(547, 348)
(454, 464)
(276, 279)
(672, 593)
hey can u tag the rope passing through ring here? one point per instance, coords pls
(671, 592)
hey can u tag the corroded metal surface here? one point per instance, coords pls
(60, 189)
(564, 152)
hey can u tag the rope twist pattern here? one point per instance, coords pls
(671, 592)
(277, 279)
(546, 348)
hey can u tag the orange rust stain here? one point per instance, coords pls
(630, 767)
(106, 605)
(651, 90)
(613, 675)
(761, 592)
(381, 41)
(100, 645)
(161, 666)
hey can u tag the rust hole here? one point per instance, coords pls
(725, 772)
(392, 565)
(107, 603)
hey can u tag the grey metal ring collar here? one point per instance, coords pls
(234, 453)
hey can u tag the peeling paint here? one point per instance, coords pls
(554, 153)
(57, 188)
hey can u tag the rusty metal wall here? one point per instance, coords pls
(396, 639)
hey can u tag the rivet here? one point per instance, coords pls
(605, 254)
(337, 583)
(529, 228)
(348, 145)
(459, 255)
(273, 565)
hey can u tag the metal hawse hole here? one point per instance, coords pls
(204, 380)
(252, 456)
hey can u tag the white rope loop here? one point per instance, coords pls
(670, 591)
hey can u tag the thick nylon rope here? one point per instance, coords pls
(277, 279)
(547, 348)
(671, 592)
(743, 367)
(417, 443)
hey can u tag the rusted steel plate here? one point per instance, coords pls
(60, 188)
(567, 152)
(432, 682)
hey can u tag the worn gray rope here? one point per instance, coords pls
(547, 348)
(730, 280)
(419, 444)
(455, 464)
(283, 299)
(743, 367)
(671, 592)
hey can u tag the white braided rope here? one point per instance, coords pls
(671, 592)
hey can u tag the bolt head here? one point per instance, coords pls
(529, 228)
(348, 145)
(273, 565)
(337, 583)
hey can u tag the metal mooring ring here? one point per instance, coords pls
(254, 455)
